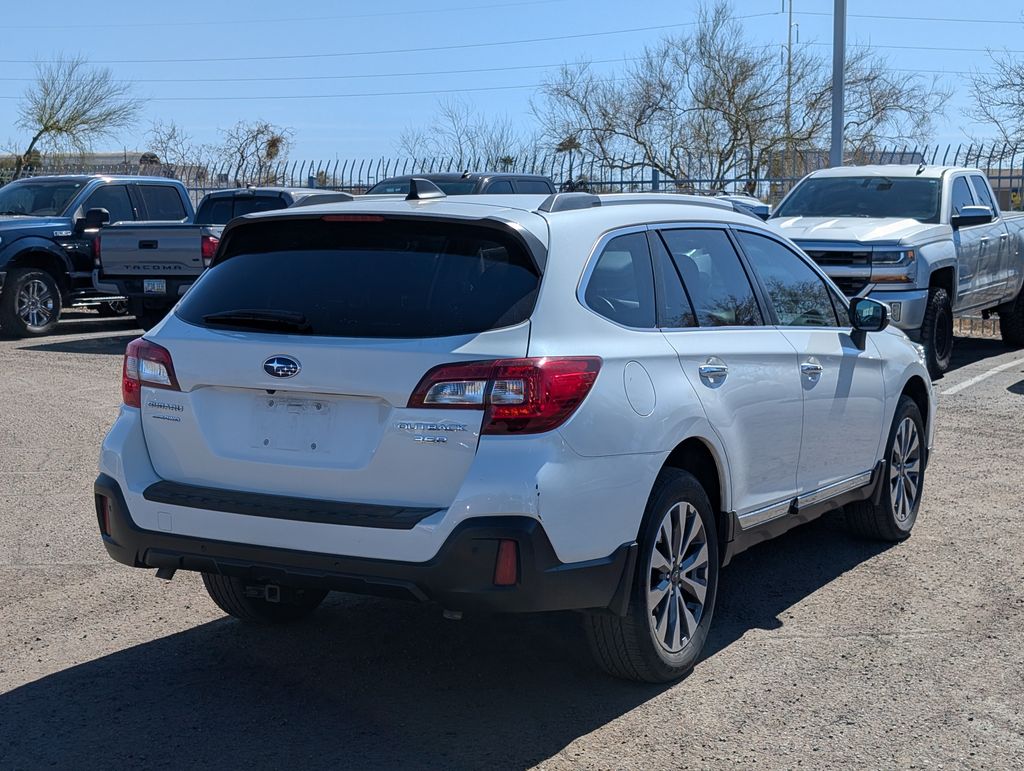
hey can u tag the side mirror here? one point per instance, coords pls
(972, 215)
(94, 219)
(867, 315)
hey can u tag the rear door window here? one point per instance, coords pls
(221, 210)
(621, 285)
(535, 186)
(714, 278)
(387, 279)
(499, 186)
(162, 202)
(113, 198)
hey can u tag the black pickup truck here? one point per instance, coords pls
(48, 233)
(154, 263)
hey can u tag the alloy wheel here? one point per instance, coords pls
(35, 304)
(905, 470)
(678, 580)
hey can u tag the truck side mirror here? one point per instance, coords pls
(867, 315)
(971, 215)
(94, 219)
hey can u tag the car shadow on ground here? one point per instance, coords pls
(970, 350)
(369, 683)
(112, 345)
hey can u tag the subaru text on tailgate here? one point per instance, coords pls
(517, 403)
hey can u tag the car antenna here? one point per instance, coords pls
(920, 168)
(423, 189)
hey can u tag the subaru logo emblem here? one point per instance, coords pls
(281, 366)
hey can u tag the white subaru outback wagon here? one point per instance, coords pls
(508, 404)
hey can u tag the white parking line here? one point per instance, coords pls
(983, 376)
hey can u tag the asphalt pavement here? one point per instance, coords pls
(826, 652)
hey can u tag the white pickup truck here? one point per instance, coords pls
(928, 240)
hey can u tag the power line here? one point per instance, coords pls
(238, 21)
(914, 18)
(352, 76)
(380, 52)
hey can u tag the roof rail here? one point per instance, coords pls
(423, 189)
(568, 202)
(620, 199)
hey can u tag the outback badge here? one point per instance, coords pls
(281, 366)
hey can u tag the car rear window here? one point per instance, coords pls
(401, 187)
(387, 279)
(222, 209)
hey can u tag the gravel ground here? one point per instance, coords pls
(826, 651)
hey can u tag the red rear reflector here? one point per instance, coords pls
(506, 566)
(145, 363)
(352, 218)
(520, 396)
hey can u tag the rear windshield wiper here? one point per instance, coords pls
(290, 321)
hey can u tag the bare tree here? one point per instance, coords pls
(176, 152)
(255, 149)
(997, 97)
(459, 133)
(70, 105)
(710, 105)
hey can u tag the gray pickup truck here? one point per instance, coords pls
(152, 264)
(928, 240)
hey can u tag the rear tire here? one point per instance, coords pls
(30, 304)
(113, 309)
(1011, 322)
(902, 481)
(937, 331)
(229, 593)
(673, 596)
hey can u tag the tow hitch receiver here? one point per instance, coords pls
(268, 592)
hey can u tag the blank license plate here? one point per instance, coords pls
(298, 424)
(154, 286)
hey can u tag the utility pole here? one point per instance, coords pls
(789, 90)
(838, 67)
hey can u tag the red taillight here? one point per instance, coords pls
(506, 566)
(96, 252)
(145, 363)
(208, 245)
(521, 396)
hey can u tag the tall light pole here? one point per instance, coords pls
(838, 65)
(789, 88)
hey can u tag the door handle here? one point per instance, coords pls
(984, 240)
(148, 244)
(1004, 236)
(713, 371)
(811, 369)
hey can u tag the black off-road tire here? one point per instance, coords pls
(937, 331)
(19, 281)
(882, 522)
(228, 592)
(1011, 322)
(626, 646)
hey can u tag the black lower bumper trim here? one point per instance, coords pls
(459, 577)
(285, 507)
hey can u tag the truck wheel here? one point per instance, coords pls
(113, 308)
(903, 481)
(663, 632)
(30, 304)
(937, 331)
(231, 596)
(1011, 322)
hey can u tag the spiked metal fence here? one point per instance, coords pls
(772, 175)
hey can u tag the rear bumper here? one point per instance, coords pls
(134, 288)
(459, 577)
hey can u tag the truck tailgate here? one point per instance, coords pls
(151, 250)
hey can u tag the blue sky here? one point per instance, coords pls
(245, 35)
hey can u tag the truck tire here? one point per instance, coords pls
(229, 593)
(30, 304)
(673, 595)
(892, 518)
(1011, 322)
(937, 331)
